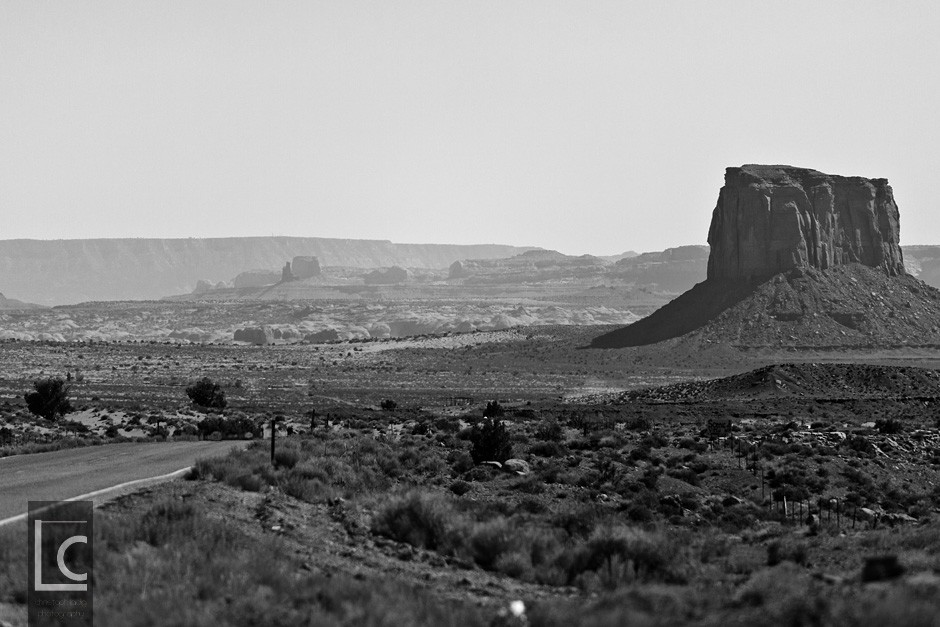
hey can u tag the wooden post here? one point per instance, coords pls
(272, 442)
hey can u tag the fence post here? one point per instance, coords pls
(272, 441)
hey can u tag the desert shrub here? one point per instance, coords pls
(306, 489)
(637, 423)
(547, 449)
(491, 442)
(653, 440)
(860, 445)
(286, 457)
(529, 485)
(643, 555)
(165, 519)
(786, 550)
(516, 564)
(550, 431)
(576, 520)
(489, 540)
(692, 445)
(49, 399)
(685, 474)
(207, 394)
(460, 461)
(460, 487)
(389, 405)
(229, 428)
(420, 519)
(889, 426)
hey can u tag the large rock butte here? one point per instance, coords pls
(774, 218)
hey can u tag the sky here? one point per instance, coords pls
(587, 127)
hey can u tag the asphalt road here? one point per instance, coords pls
(74, 472)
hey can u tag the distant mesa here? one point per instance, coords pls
(798, 257)
(82, 270)
(387, 276)
(532, 265)
(13, 304)
(305, 267)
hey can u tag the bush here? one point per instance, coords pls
(490, 540)
(206, 393)
(460, 461)
(490, 441)
(50, 398)
(460, 487)
(389, 405)
(419, 519)
(547, 449)
(889, 426)
(229, 428)
(779, 551)
(641, 555)
(550, 431)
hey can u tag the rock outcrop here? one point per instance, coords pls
(773, 218)
(255, 335)
(798, 258)
(287, 274)
(305, 267)
(257, 278)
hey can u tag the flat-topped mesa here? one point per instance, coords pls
(773, 218)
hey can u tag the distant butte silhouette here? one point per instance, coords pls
(775, 219)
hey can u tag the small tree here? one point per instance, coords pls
(207, 394)
(389, 405)
(490, 441)
(50, 398)
(493, 410)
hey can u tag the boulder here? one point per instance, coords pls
(772, 218)
(518, 466)
(255, 335)
(305, 267)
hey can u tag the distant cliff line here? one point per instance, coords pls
(52, 272)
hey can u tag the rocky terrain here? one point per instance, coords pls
(269, 322)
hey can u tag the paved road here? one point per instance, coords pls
(74, 472)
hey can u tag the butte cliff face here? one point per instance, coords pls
(772, 218)
(798, 259)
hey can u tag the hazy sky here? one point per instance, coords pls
(583, 126)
